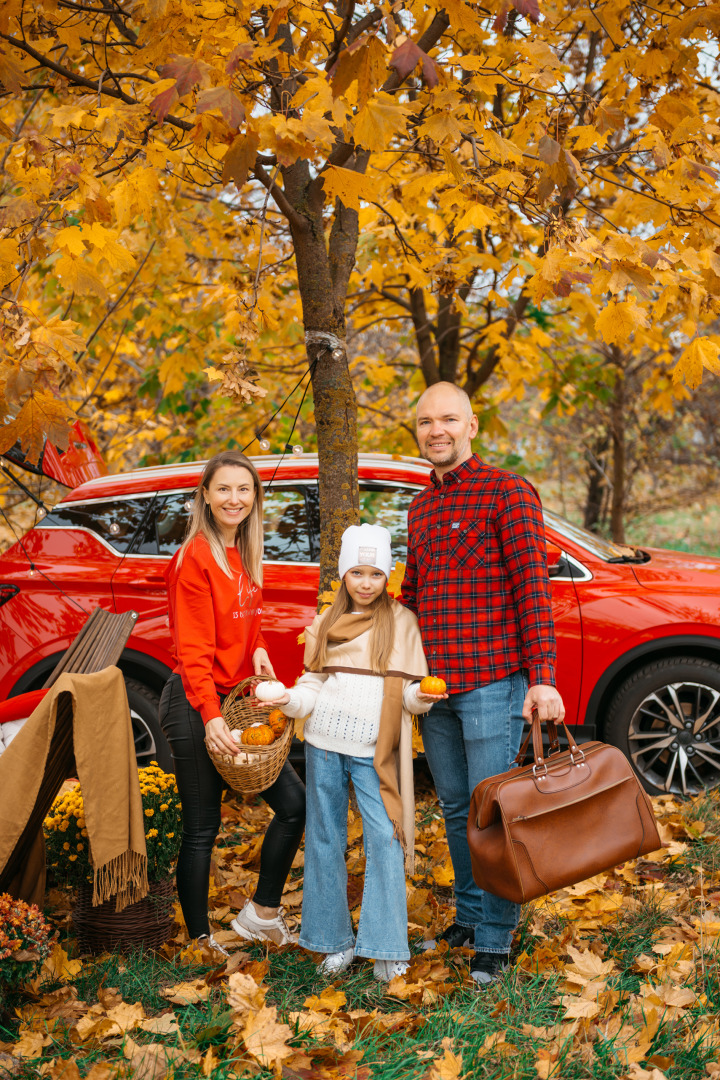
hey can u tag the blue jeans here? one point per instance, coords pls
(326, 925)
(468, 737)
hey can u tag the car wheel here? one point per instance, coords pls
(666, 718)
(150, 743)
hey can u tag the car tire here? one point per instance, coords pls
(666, 719)
(150, 743)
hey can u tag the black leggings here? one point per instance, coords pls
(201, 787)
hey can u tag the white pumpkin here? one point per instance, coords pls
(269, 691)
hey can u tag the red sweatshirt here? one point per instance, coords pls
(214, 623)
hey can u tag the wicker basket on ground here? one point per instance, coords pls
(254, 768)
(147, 922)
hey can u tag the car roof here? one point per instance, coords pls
(386, 467)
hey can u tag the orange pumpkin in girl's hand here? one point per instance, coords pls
(431, 684)
(277, 720)
(258, 735)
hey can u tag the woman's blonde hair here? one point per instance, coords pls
(382, 632)
(249, 533)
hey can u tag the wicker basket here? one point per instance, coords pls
(254, 768)
(147, 923)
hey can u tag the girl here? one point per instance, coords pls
(215, 603)
(363, 658)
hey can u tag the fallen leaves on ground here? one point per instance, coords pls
(624, 963)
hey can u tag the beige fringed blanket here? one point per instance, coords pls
(101, 733)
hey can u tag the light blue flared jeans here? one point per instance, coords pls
(326, 925)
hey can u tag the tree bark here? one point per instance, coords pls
(596, 484)
(619, 473)
(323, 269)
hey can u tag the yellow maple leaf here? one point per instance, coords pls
(8, 261)
(378, 120)
(448, 1067)
(579, 1008)
(440, 126)
(265, 1038)
(58, 968)
(79, 277)
(395, 580)
(244, 994)
(618, 321)
(348, 186)
(187, 993)
(71, 239)
(701, 353)
(330, 1000)
(444, 875)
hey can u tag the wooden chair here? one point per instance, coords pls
(98, 645)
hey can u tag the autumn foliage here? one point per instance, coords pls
(191, 193)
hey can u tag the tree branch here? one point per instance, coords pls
(79, 80)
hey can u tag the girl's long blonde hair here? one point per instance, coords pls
(382, 633)
(249, 533)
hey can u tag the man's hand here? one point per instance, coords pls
(546, 700)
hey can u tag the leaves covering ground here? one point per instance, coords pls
(617, 977)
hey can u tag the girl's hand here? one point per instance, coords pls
(432, 698)
(262, 665)
(219, 737)
(276, 702)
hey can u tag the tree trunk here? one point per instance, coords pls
(619, 474)
(323, 268)
(596, 484)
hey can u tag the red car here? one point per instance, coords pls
(638, 630)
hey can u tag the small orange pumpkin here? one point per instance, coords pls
(431, 684)
(277, 720)
(258, 735)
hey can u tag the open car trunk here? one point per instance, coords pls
(80, 462)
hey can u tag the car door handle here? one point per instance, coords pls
(154, 579)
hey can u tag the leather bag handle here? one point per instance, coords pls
(535, 733)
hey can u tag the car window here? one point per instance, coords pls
(388, 506)
(287, 526)
(287, 536)
(596, 545)
(164, 530)
(116, 521)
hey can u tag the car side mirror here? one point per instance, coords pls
(554, 560)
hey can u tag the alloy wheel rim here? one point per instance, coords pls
(674, 738)
(145, 747)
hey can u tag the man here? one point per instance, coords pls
(477, 579)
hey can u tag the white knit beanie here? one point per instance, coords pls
(365, 545)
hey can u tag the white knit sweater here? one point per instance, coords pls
(345, 709)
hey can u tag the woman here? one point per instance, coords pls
(215, 607)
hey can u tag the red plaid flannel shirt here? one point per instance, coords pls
(477, 577)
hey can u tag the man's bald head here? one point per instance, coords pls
(438, 389)
(446, 426)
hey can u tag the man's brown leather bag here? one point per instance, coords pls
(558, 821)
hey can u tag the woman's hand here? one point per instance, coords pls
(262, 665)
(219, 737)
(432, 698)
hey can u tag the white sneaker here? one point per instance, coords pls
(386, 970)
(248, 924)
(336, 962)
(209, 940)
